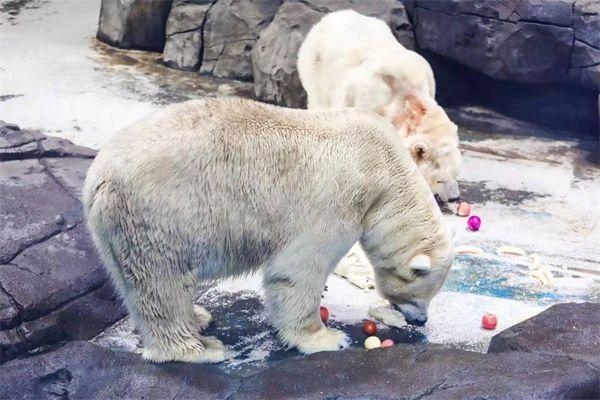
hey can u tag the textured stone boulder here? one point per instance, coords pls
(82, 370)
(531, 41)
(275, 54)
(585, 60)
(230, 33)
(417, 372)
(183, 47)
(570, 330)
(52, 285)
(136, 24)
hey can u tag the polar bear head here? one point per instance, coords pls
(432, 140)
(439, 162)
(411, 287)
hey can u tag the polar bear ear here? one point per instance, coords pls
(420, 262)
(419, 150)
(411, 115)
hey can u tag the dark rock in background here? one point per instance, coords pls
(585, 60)
(275, 54)
(138, 24)
(530, 41)
(562, 108)
(536, 60)
(183, 47)
(230, 33)
(571, 330)
(52, 284)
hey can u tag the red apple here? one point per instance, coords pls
(370, 328)
(489, 321)
(324, 314)
(463, 209)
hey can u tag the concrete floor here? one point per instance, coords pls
(536, 191)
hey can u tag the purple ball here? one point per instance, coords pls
(474, 223)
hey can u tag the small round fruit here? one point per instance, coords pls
(474, 223)
(370, 328)
(489, 321)
(372, 342)
(387, 343)
(324, 314)
(463, 209)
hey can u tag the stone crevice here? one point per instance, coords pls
(185, 31)
(28, 244)
(203, 33)
(13, 146)
(57, 181)
(487, 17)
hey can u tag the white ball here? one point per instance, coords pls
(372, 342)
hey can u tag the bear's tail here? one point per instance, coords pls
(100, 208)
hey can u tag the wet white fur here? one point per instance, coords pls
(214, 188)
(351, 60)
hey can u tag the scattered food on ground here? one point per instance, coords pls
(511, 250)
(469, 250)
(474, 223)
(489, 321)
(372, 342)
(463, 209)
(355, 267)
(384, 312)
(324, 314)
(369, 328)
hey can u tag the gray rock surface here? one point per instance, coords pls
(585, 60)
(81, 370)
(423, 372)
(532, 41)
(136, 24)
(230, 33)
(183, 47)
(85, 370)
(49, 271)
(274, 56)
(571, 330)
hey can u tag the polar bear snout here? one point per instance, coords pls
(415, 312)
(447, 191)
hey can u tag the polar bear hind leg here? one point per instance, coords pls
(159, 301)
(169, 323)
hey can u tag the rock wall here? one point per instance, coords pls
(52, 285)
(230, 33)
(274, 57)
(134, 24)
(516, 51)
(530, 41)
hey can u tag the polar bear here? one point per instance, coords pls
(351, 60)
(214, 188)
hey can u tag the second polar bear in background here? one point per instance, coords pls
(349, 60)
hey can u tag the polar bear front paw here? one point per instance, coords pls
(325, 339)
(203, 316)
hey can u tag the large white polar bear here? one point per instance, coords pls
(215, 188)
(351, 60)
